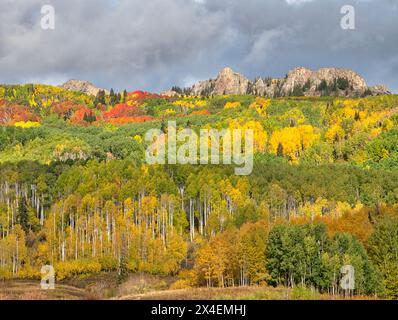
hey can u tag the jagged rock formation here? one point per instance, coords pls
(298, 82)
(169, 93)
(227, 82)
(82, 86)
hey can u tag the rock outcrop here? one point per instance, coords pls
(298, 82)
(82, 86)
(227, 82)
(169, 93)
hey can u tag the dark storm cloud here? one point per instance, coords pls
(154, 44)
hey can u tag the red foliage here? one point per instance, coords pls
(139, 96)
(11, 113)
(65, 108)
(123, 110)
(79, 115)
(101, 107)
(125, 120)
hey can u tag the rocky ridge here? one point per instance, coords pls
(298, 82)
(82, 86)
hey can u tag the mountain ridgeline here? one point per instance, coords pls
(82, 86)
(298, 82)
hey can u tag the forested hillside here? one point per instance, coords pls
(75, 191)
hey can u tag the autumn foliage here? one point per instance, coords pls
(142, 95)
(125, 120)
(122, 111)
(82, 115)
(204, 112)
(11, 113)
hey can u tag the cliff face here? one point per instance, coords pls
(82, 86)
(227, 82)
(298, 82)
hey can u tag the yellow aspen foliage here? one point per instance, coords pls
(350, 103)
(145, 170)
(260, 136)
(294, 117)
(27, 124)
(343, 113)
(205, 264)
(335, 132)
(189, 104)
(291, 141)
(169, 112)
(131, 102)
(48, 102)
(148, 205)
(67, 269)
(32, 101)
(172, 255)
(375, 132)
(388, 125)
(369, 120)
(314, 210)
(308, 136)
(187, 279)
(201, 103)
(347, 103)
(14, 253)
(341, 208)
(261, 105)
(232, 105)
(138, 138)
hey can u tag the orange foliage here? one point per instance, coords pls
(125, 120)
(11, 113)
(123, 110)
(142, 95)
(64, 108)
(356, 222)
(201, 113)
(78, 116)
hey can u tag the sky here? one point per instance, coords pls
(155, 44)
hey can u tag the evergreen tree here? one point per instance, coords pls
(23, 214)
(124, 97)
(100, 98)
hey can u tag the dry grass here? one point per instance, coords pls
(236, 293)
(146, 287)
(211, 294)
(84, 287)
(31, 290)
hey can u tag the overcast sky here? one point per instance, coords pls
(154, 44)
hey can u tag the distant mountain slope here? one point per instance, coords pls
(82, 86)
(298, 82)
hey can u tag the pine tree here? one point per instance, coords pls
(23, 215)
(100, 98)
(113, 98)
(124, 97)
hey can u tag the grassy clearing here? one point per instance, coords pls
(148, 287)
